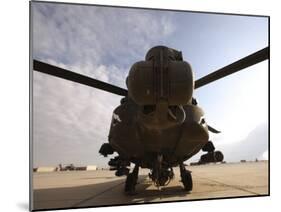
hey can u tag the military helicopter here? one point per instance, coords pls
(158, 124)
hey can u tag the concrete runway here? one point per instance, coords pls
(96, 188)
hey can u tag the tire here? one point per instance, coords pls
(218, 156)
(187, 181)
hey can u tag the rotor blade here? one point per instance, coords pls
(75, 77)
(245, 62)
(213, 130)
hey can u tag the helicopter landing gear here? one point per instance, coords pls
(131, 181)
(161, 177)
(120, 165)
(186, 178)
(211, 156)
(161, 174)
(208, 147)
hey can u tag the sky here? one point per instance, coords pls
(71, 121)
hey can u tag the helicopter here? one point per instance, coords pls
(158, 124)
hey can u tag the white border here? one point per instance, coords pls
(15, 104)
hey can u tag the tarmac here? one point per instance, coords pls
(76, 189)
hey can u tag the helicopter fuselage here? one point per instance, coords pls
(137, 140)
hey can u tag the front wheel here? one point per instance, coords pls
(187, 180)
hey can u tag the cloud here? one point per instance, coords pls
(76, 34)
(71, 121)
(250, 148)
(253, 146)
(237, 104)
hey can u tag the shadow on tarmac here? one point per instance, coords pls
(102, 194)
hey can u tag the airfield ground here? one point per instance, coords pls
(96, 188)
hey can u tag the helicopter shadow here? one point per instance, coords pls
(103, 194)
(77, 196)
(147, 192)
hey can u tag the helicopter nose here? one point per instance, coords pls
(177, 113)
(174, 113)
(162, 116)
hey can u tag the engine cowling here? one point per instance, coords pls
(163, 76)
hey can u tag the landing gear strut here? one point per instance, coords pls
(186, 178)
(131, 181)
(161, 174)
